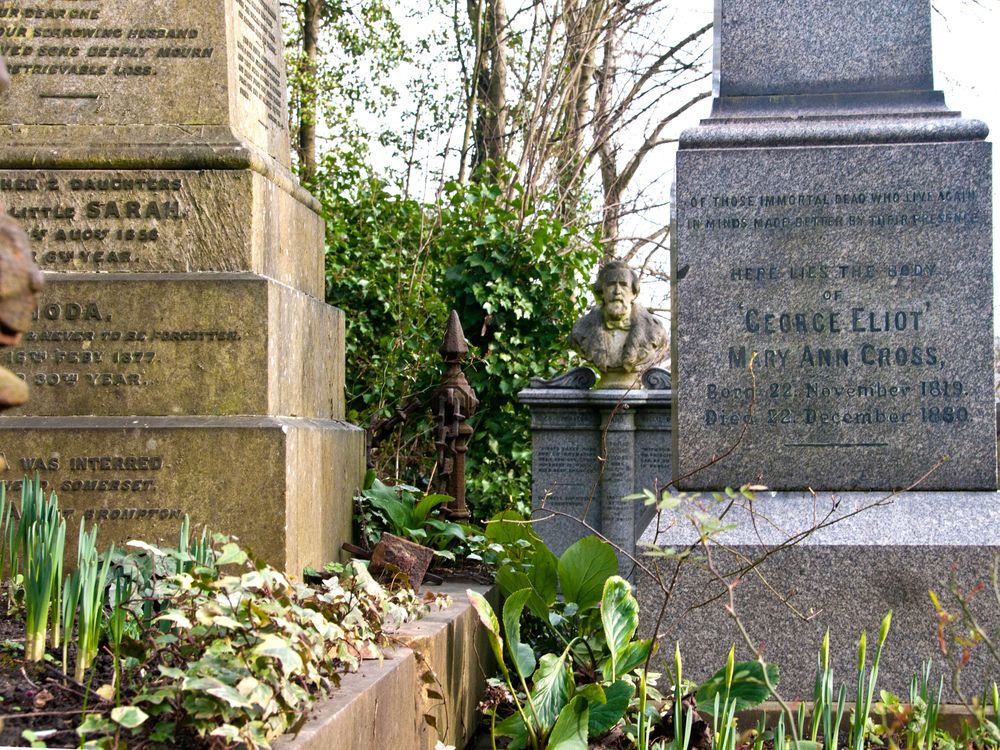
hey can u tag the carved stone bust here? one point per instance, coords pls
(20, 282)
(619, 337)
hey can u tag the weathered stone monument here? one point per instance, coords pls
(594, 447)
(833, 330)
(182, 360)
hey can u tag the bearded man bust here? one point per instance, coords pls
(619, 337)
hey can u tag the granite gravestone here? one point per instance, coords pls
(591, 449)
(833, 328)
(850, 265)
(182, 359)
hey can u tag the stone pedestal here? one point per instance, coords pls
(833, 334)
(875, 553)
(591, 450)
(183, 360)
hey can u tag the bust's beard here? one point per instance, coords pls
(616, 310)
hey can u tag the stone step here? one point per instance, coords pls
(180, 344)
(277, 483)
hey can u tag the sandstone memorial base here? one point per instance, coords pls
(833, 334)
(183, 360)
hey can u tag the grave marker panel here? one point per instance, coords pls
(856, 284)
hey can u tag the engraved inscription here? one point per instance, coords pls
(92, 349)
(101, 358)
(256, 51)
(847, 341)
(115, 476)
(102, 221)
(86, 42)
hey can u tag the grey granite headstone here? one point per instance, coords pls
(592, 449)
(832, 332)
(837, 304)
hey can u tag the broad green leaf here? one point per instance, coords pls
(620, 618)
(489, 620)
(427, 504)
(553, 684)
(543, 575)
(128, 716)
(634, 654)
(593, 692)
(513, 727)
(749, 688)
(521, 654)
(570, 730)
(542, 593)
(509, 527)
(583, 569)
(605, 715)
(398, 512)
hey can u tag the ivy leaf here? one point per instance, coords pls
(93, 723)
(128, 716)
(177, 618)
(227, 732)
(232, 554)
(281, 650)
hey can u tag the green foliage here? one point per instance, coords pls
(205, 639)
(916, 721)
(741, 684)
(40, 544)
(400, 511)
(514, 273)
(574, 659)
(240, 655)
(570, 657)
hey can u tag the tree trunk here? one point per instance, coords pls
(491, 83)
(307, 110)
(584, 25)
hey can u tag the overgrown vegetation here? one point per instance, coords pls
(209, 646)
(573, 674)
(482, 159)
(516, 276)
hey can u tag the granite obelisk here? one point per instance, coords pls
(833, 330)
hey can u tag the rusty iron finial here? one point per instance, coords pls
(453, 404)
(454, 347)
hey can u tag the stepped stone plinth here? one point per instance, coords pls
(183, 360)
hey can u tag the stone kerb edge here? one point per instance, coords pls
(383, 705)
